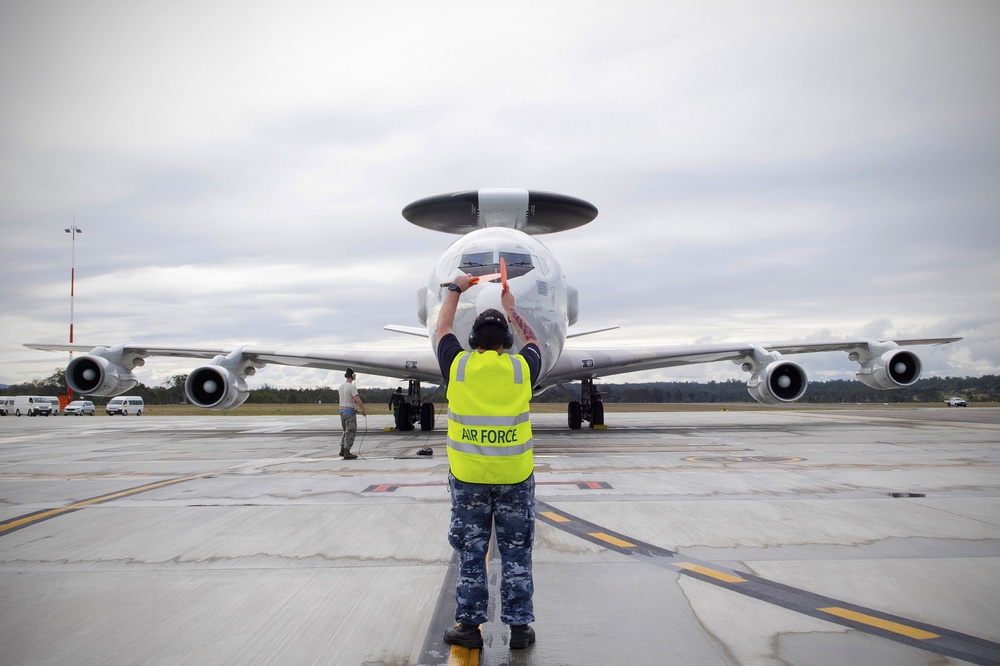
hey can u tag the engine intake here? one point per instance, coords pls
(892, 370)
(96, 375)
(778, 383)
(215, 387)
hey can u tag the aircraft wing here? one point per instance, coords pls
(420, 365)
(577, 363)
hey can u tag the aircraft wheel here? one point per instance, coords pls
(403, 417)
(575, 415)
(427, 416)
(598, 410)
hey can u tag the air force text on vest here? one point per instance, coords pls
(490, 435)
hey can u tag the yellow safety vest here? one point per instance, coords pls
(489, 431)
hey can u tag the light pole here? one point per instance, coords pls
(73, 230)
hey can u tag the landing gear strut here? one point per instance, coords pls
(413, 410)
(589, 408)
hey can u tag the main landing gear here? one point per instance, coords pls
(412, 410)
(589, 408)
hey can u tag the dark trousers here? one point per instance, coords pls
(475, 509)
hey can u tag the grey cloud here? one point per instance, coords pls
(781, 170)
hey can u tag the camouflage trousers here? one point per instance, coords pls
(349, 422)
(475, 509)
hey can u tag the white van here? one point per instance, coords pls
(124, 405)
(30, 405)
(5, 405)
(54, 401)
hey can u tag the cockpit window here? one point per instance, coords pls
(484, 263)
(479, 263)
(518, 263)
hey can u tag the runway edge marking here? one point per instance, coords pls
(14, 524)
(899, 629)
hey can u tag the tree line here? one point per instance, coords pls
(932, 389)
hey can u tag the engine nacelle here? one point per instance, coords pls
(892, 370)
(221, 385)
(95, 374)
(215, 387)
(778, 383)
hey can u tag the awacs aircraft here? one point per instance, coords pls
(497, 226)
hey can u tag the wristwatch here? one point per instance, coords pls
(454, 287)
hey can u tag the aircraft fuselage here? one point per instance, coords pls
(534, 276)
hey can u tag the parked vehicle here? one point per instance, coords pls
(124, 404)
(30, 405)
(54, 401)
(955, 402)
(5, 405)
(79, 408)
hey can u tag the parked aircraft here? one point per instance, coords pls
(495, 225)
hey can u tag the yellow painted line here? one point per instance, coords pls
(460, 656)
(720, 575)
(555, 516)
(96, 500)
(612, 540)
(894, 627)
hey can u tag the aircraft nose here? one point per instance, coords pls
(489, 297)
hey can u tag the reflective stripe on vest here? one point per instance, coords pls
(490, 450)
(489, 420)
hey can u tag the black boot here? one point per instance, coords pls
(521, 636)
(348, 455)
(464, 635)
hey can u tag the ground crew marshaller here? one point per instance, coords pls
(350, 402)
(492, 469)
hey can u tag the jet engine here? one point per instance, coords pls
(778, 383)
(221, 384)
(215, 387)
(102, 372)
(774, 381)
(884, 367)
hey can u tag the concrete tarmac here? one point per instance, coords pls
(812, 537)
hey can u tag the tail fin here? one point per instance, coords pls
(528, 211)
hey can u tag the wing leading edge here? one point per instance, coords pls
(108, 370)
(576, 364)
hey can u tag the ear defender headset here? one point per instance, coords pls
(497, 319)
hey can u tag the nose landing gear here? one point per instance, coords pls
(413, 410)
(589, 408)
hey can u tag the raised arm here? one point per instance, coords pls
(520, 324)
(449, 306)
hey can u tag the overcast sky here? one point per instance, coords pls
(767, 171)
